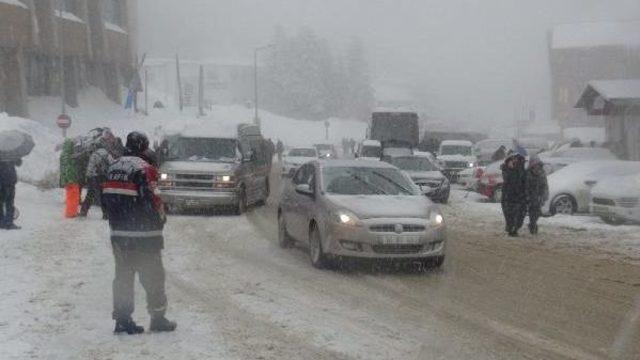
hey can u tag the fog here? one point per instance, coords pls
(471, 61)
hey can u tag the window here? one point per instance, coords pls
(112, 11)
(70, 6)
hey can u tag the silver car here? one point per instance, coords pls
(363, 209)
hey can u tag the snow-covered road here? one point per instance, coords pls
(237, 295)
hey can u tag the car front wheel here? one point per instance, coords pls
(318, 258)
(564, 204)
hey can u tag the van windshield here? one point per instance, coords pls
(371, 151)
(203, 149)
(455, 150)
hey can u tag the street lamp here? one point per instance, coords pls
(256, 118)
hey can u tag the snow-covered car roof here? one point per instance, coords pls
(618, 186)
(371, 143)
(355, 163)
(576, 172)
(456, 143)
(585, 153)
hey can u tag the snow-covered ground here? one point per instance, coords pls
(556, 231)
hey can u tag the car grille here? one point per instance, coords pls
(627, 202)
(397, 249)
(207, 177)
(455, 164)
(602, 201)
(391, 228)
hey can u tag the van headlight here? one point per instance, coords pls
(470, 164)
(347, 218)
(164, 176)
(436, 219)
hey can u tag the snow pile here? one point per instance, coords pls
(43, 160)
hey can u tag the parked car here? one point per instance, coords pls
(425, 174)
(469, 178)
(297, 157)
(361, 209)
(485, 149)
(617, 199)
(490, 182)
(369, 150)
(205, 171)
(326, 151)
(559, 158)
(455, 156)
(570, 187)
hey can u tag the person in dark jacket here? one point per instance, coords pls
(8, 180)
(280, 150)
(499, 154)
(514, 196)
(537, 191)
(136, 219)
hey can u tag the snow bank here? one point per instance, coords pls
(43, 160)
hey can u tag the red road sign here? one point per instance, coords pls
(63, 121)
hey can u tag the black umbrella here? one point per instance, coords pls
(14, 145)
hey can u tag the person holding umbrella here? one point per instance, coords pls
(8, 180)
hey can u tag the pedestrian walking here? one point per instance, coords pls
(280, 150)
(537, 191)
(514, 197)
(8, 180)
(96, 172)
(136, 219)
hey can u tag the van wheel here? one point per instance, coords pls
(241, 206)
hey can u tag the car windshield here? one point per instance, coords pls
(302, 153)
(371, 151)
(323, 147)
(413, 163)
(203, 149)
(365, 181)
(455, 150)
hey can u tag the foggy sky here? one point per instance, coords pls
(478, 61)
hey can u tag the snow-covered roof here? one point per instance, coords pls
(586, 35)
(14, 3)
(456, 143)
(612, 90)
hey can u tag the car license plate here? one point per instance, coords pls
(400, 239)
(601, 210)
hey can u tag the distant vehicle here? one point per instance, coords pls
(469, 178)
(455, 156)
(297, 157)
(369, 150)
(534, 145)
(485, 149)
(425, 174)
(559, 158)
(326, 151)
(570, 187)
(490, 181)
(228, 170)
(361, 209)
(616, 200)
(397, 132)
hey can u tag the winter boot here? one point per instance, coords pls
(12, 226)
(161, 323)
(128, 326)
(533, 229)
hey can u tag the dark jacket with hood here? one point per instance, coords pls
(136, 213)
(537, 186)
(514, 181)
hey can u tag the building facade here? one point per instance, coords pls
(93, 41)
(579, 53)
(616, 103)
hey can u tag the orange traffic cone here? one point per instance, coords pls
(72, 200)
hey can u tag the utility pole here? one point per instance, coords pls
(60, 31)
(180, 100)
(146, 91)
(256, 117)
(201, 92)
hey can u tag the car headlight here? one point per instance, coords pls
(226, 178)
(436, 219)
(164, 176)
(345, 217)
(470, 164)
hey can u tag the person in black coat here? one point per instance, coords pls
(537, 191)
(514, 194)
(8, 180)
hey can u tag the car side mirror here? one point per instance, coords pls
(304, 189)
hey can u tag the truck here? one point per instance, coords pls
(397, 132)
(226, 169)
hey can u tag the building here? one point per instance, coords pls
(96, 39)
(616, 103)
(579, 53)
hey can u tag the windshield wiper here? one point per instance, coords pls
(402, 188)
(377, 190)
